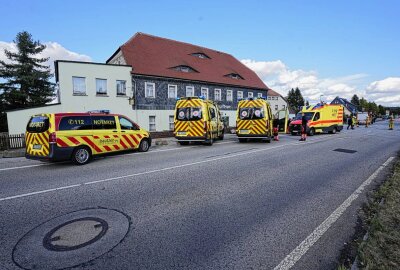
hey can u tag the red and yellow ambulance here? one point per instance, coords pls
(321, 118)
(79, 136)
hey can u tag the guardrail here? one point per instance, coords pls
(8, 142)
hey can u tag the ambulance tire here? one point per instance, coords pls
(210, 141)
(333, 131)
(293, 133)
(81, 155)
(267, 140)
(242, 140)
(311, 132)
(144, 145)
(221, 137)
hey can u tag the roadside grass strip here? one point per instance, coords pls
(381, 249)
(290, 260)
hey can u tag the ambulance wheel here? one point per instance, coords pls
(311, 132)
(242, 140)
(144, 145)
(293, 133)
(183, 143)
(333, 131)
(268, 140)
(221, 137)
(81, 155)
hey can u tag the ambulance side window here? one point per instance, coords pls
(75, 123)
(212, 113)
(316, 117)
(104, 122)
(126, 124)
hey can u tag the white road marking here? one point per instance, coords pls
(307, 243)
(136, 153)
(155, 171)
(24, 167)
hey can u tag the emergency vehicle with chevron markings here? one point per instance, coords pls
(321, 118)
(197, 119)
(254, 120)
(80, 136)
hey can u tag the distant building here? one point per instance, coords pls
(349, 108)
(145, 76)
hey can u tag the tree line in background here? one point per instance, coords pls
(24, 80)
(295, 100)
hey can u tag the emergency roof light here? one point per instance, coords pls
(100, 111)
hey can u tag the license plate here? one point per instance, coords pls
(37, 146)
(244, 131)
(180, 133)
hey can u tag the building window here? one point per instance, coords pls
(79, 85)
(201, 55)
(234, 76)
(283, 107)
(101, 87)
(171, 122)
(217, 94)
(150, 90)
(259, 95)
(239, 95)
(189, 91)
(204, 92)
(121, 88)
(229, 95)
(269, 98)
(276, 107)
(250, 94)
(172, 91)
(185, 69)
(152, 123)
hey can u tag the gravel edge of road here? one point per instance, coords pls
(367, 218)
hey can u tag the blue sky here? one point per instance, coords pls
(316, 44)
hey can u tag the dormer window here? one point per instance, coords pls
(201, 55)
(183, 68)
(234, 76)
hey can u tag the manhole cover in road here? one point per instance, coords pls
(71, 239)
(345, 151)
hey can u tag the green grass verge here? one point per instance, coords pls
(381, 250)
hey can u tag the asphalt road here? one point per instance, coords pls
(229, 206)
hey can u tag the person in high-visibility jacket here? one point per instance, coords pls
(391, 122)
(354, 122)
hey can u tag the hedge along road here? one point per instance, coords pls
(227, 206)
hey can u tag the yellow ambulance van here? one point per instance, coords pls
(254, 120)
(197, 120)
(80, 136)
(321, 118)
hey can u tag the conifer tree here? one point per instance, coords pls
(25, 80)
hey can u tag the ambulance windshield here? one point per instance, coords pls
(188, 114)
(309, 115)
(38, 124)
(251, 113)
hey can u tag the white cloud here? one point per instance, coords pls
(281, 78)
(386, 91)
(53, 50)
(388, 85)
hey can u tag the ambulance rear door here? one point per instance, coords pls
(37, 135)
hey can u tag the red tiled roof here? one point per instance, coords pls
(150, 55)
(273, 93)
